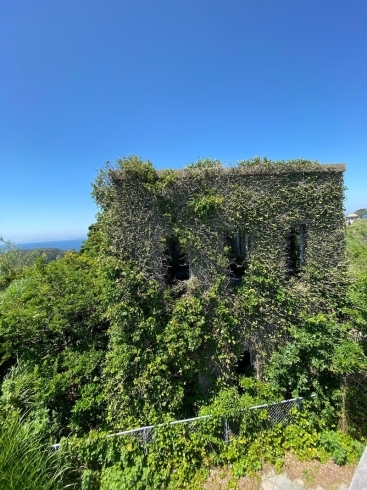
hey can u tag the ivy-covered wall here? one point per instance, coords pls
(264, 238)
(271, 207)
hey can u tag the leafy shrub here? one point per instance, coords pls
(343, 448)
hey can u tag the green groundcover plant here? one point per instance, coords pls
(180, 456)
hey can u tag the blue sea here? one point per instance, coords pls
(74, 243)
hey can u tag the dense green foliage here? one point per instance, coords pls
(100, 340)
(356, 310)
(52, 325)
(199, 206)
(357, 293)
(180, 456)
(357, 244)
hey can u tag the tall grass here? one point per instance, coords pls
(26, 463)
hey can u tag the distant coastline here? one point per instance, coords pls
(75, 244)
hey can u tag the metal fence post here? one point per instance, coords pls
(145, 442)
(226, 431)
(299, 403)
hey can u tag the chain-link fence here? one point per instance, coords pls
(220, 428)
(355, 386)
(260, 417)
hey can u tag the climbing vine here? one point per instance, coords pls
(155, 221)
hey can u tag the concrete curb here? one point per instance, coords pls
(359, 481)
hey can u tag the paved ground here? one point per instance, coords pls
(272, 481)
(359, 481)
(295, 475)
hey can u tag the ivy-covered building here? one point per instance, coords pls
(201, 222)
(267, 237)
(277, 216)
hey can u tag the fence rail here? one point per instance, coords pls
(278, 412)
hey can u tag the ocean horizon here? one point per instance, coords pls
(73, 243)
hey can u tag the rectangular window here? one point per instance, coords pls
(238, 245)
(176, 261)
(295, 248)
(245, 363)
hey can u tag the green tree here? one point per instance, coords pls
(12, 262)
(357, 292)
(53, 333)
(362, 213)
(356, 242)
(318, 354)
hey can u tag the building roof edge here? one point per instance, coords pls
(261, 170)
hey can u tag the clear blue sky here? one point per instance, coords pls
(85, 81)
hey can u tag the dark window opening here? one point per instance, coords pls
(295, 248)
(238, 245)
(244, 364)
(176, 261)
